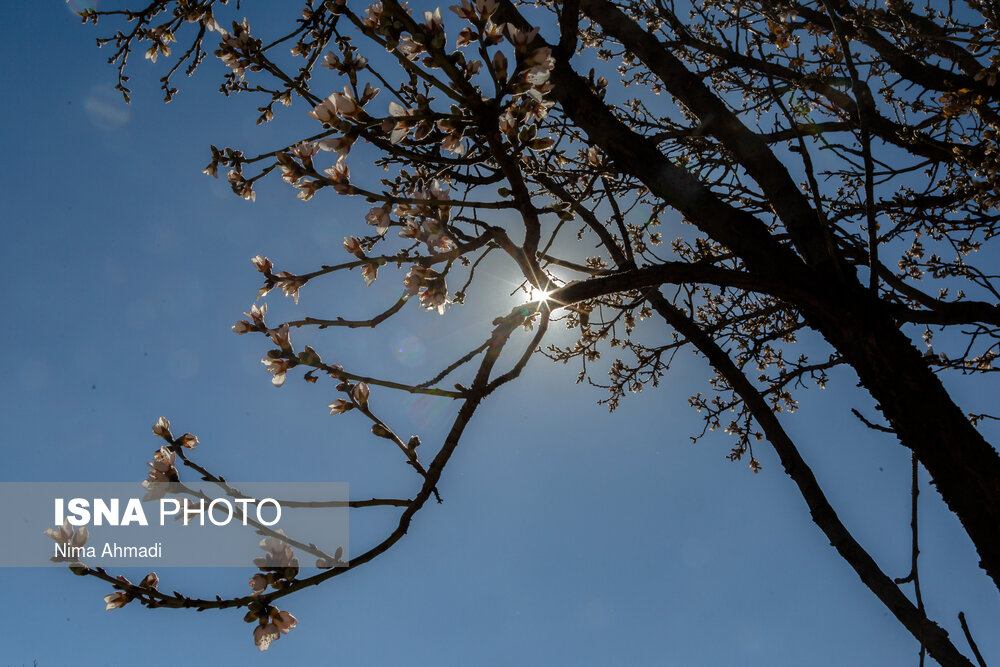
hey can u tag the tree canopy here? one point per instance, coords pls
(752, 174)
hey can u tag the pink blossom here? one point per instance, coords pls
(340, 406)
(280, 337)
(279, 552)
(62, 534)
(262, 264)
(373, 15)
(339, 105)
(410, 49)
(492, 33)
(290, 284)
(307, 189)
(353, 245)
(507, 123)
(263, 635)
(465, 36)
(401, 128)
(368, 94)
(305, 150)
(520, 38)
(162, 428)
(453, 143)
(344, 103)
(411, 230)
(271, 626)
(242, 327)
(284, 621)
(340, 145)
(259, 583)
(486, 8)
(247, 192)
(279, 367)
(161, 472)
(331, 61)
(65, 534)
(339, 172)
(257, 314)
(360, 394)
(414, 279)
(369, 272)
(116, 600)
(435, 298)
(541, 57)
(500, 66)
(472, 68)
(163, 459)
(433, 20)
(465, 11)
(378, 217)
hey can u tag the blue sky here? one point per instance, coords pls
(567, 535)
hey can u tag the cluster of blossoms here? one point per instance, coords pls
(278, 567)
(161, 39)
(379, 218)
(431, 286)
(162, 429)
(194, 13)
(327, 563)
(271, 624)
(402, 120)
(359, 394)
(426, 219)
(66, 534)
(369, 271)
(236, 47)
(240, 185)
(161, 473)
(351, 63)
(288, 283)
(344, 106)
(161, 469)
(278, 368)
(256, 322)
(280, 360)
(122, 598)
(276, 362)
(528, 84)
(420, 209)
(335, 111)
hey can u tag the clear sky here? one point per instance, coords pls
(567, 535)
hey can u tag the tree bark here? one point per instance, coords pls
(964, 466)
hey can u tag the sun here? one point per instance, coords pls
(541, 295)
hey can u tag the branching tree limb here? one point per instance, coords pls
(827, 169)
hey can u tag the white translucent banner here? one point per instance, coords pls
(124, 524)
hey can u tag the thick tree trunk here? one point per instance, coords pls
(964, 467)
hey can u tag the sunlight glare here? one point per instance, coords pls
(541, 295)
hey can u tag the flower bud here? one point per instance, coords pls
(360, 394)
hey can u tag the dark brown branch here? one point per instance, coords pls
(968, 638)
(749, 149)
(926, 631)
